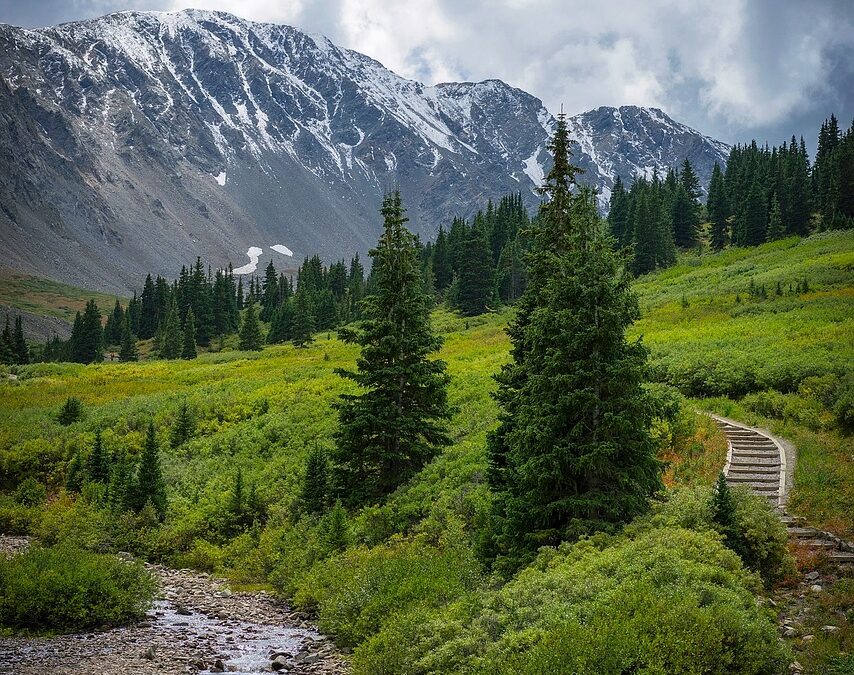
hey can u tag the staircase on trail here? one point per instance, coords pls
(757, 460)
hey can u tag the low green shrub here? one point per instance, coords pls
(65, 588)
(761, 531)
(668, 601)
(17, 518)
(357, 592)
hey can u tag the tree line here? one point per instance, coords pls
(13, 346)
(764, 194)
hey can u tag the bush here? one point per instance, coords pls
(30, 493)
(668, 601)
(65, 588)
(72, 411)
(357, 592)
(761, 533)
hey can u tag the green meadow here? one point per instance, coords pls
(385, 574)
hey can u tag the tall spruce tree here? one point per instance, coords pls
(188, 350)
(19, 344)
(396, 424)
(717, 209)
(303, 323)
(171, 337)
(775, 222)
(476, 275)
(755, 217)
(442, 270)
(315, 484)
(87, 337)
(572, 453)
(250, 330)
(121, 488)
(128, 350)
(98, 465)
(150, 486)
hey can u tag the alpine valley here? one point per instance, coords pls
(135, 142)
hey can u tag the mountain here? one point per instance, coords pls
(139, 140)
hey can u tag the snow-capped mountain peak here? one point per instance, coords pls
(174, 134)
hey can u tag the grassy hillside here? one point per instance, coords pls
(45, 297)
(396, 568)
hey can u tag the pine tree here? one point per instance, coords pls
(315, 484)
(723, 515)
(71, 412)
(572, 453)
(171, 337)
(442, 271)
(250, 330)
(128, 350)
(98, 466)
(237, 502)
(189, 348)
(303, 323)
(755, 217)
(282, 323)
(510, 275)
(270, 297)
(476, 275)
(148, 318)
(87, 337)
(396, 424)
(7, 356)
(619, 215)
(775, 222)
(334, 529)
(121, 489)
(717, 209)
(150, 486)
(182, 429)
(19, 345)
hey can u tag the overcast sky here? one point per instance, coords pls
(734, 69)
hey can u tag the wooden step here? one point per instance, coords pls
(802, 532)
(751, 468)
(755, 452)
(827, 544)
(765, 462)
(754, 478)
(841, 557)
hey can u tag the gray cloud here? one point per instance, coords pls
(735, 69)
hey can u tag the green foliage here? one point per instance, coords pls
(572, 453)
(150, 488)
(669, 600)
(748, 525)
(30, 493)
(66, 588)
(250, 330)
(189, 348)
(360, 591)
(315, 482)
(390, 430)
(98, 465)
(183, 427)
(72, 411)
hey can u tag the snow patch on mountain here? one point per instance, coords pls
(254, 253)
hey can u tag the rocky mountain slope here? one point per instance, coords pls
(136, 141)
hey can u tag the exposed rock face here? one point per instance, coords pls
(134, 142)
